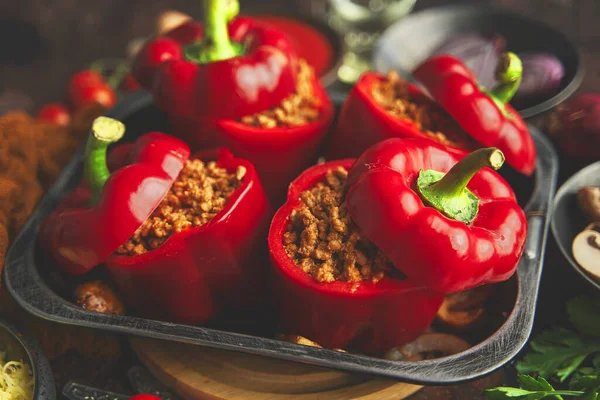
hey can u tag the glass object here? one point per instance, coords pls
(361, 22)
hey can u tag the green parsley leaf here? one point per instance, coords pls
(530, 383)
(530, 389)
(590, 396)
(596, 361)
(584, 314)
(585, 382)
(500, 393)
(556, 352)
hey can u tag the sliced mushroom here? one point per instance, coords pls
(588, 198)
(464, 309)
(586, 249)
(428, 346)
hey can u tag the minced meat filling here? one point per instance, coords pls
(393, 94)
(199, 193)
(323, 241)
(300, 108)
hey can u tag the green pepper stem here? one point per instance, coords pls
(216, 45)
(456, 180)
(509, 73)
(104, 132)
(448, 192)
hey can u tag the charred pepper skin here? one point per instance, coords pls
(492, 122)
(250, 83)
(439, 252)
(369, 317)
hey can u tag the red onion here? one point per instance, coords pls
(576, 126)
(479, 53)
(542, 74)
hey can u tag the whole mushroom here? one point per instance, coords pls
(100, 297)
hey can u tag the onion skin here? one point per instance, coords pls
(575, 125)
(542, 75)
(542, 72)
(479, 53)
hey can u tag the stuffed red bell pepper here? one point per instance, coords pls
(332, 285)
(239, 85)
(465, 117)
(181, 237)
(448, 223)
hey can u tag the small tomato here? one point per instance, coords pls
(55, 113)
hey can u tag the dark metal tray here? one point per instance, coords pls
(31, 280)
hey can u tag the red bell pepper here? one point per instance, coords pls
(483, 114)
(96, 218)
(279, 154)
(369, 317)
(206, 100)
(363, 121)
(444, 221)
(202, 271)
(237, 69)
(198, 272)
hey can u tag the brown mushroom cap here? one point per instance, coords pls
(586, 249)
(588, 199)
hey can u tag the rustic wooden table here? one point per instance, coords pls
(43, 42)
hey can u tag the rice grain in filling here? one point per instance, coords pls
(430, 118)
(199, 193)
(323, 241)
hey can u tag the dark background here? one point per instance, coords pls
(43, 42)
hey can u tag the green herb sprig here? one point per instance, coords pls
(558, 354)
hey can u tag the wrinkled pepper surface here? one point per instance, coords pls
(449, 223)
(369, 317)
(208, 79)
(198, 272)
(483, 114)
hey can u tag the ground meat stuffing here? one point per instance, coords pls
(392, 94)
(300, 108)
(323, 241)
(199, 193)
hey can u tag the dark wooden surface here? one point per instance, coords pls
(42, 42)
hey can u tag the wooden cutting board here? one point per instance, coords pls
(195, 372)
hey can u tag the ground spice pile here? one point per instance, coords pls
(199, 193)
(393, 94)
(324, 242)
(300, 108)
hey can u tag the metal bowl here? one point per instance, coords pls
(568, 220)
(20, 346)
(407, 43)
